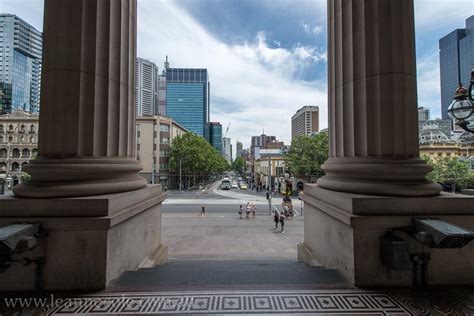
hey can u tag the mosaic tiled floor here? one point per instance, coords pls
(324, 302)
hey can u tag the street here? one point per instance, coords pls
(221, 235)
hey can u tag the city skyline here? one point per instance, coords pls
(260, 67)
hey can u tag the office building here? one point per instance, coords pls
(305, 122)
(260, 142)
(423, 114)
(187, 98)
(239, 148)
(161, 109)
(147, 87)
(154, 137)
(456, 56)
(227, 148)
(215, 136)
(21, 48)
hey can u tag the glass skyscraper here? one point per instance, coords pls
(187, 98)
(456, 55)
(215, 136)
(21, 47)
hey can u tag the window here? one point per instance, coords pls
(164, 128)
(165, 140)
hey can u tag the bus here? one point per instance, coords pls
(225, 185)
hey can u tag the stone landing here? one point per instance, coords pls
(343, 230)
(88, 241)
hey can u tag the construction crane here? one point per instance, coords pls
(227, 130)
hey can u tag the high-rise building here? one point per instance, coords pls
(146, 86)
(161, 110)
(423, 114)
(215, 136)
(21, 48)
(260, 142)
(227, 148)
(456, 56)
(187, 98)
(305, 122)
(239, 150)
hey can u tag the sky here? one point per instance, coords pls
(266, 58)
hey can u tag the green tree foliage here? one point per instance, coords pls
(307, 154)
(196, 155)
(238, 164)
(450, 170)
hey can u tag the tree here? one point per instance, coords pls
(307, 154)
(449, 170)
(238, 164)
(194, 155)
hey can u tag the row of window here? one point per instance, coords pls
(10, 139)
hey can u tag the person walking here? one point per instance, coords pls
(203, 211)
(254, 210)
(247, 211)
(241, 210)
(276, 218)
(282, 219)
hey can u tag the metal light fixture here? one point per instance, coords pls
(462, 107)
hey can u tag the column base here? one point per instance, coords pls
(388, 177)
(88, 242)
(343, 231)
(54, 178)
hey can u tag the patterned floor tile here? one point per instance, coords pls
(324, 302)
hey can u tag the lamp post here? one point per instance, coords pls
(462, 107)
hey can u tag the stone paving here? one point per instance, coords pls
(222, 235)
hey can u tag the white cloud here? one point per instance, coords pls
(252, 84)
(316, 30)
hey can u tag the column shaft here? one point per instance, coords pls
(87, 122)
(373, 101)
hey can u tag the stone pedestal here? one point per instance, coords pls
(343, 230)
(89, 241)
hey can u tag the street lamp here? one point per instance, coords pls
(462, 107)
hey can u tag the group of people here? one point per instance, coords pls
(250, 209)
(279, 218)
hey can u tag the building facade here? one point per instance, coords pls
(305, 122)
(187, 98)
(18, 144)
(215, 136)
(154, 136)
(260, 142)
(239, 148)
(147, 87)
(21, 48)
(227, 149)
(456, 55)
(423, 114)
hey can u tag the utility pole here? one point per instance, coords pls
(269, 181)
(180, 179)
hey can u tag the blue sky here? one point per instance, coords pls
(266, 58)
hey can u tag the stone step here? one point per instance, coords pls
(225, 272)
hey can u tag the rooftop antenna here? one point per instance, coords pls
(167, 64)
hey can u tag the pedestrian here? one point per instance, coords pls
(254, 210)
(276, 217)
(203, 211)
(247, 211)
(241, 210)
(282, 219)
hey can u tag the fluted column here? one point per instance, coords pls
(87, 118)
(373, 125)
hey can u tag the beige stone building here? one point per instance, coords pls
(18, 143)
(154, 136)
(441, 150)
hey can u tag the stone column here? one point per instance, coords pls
(373, 125)
(87, 121)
